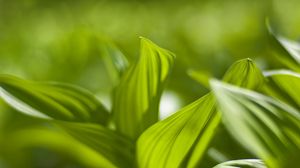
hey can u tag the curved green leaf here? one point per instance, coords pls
(286, 51)
(244, 73)
(61, 144)
(52, 100)
(167, 143)
(182, 138)
(136, 99)
(117, 149)
(268, 128)
(284, 85)
(245, 163)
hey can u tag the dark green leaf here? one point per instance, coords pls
(114, 61)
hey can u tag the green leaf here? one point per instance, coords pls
(286, 51)
(114, 61)
(136, 99)
(52, 100)
(201, 77)
(167, 143)
(244, 67)
(63, 144)
(268, 128)
(245, 163)
(245, 73)
(182, 138)
(284, 85)
(117, 149)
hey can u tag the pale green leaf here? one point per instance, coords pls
(182, 138)
(268, 128)
(285, 50)
(136, 99)
(52, 100)
(245, 163)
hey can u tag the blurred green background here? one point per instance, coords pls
(70, 40)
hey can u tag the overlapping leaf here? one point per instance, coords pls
(96, 153)
(267, 127)
(182, 139)
(135, 105)
(88, 141)
(115, 148)
(284, 85)
(52, 100)
(245, 163)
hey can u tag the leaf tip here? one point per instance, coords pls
(145, 42)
